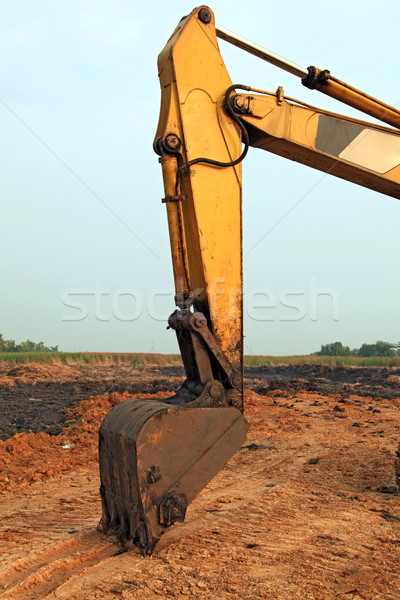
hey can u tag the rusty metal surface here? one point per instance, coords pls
(155, 458)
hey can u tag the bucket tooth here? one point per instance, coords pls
(155, 458)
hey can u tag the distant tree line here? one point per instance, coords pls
(27, 346)
(378, 349)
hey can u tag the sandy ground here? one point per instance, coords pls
(305, 509)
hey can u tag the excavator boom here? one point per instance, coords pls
(360, 152)
(157, 455)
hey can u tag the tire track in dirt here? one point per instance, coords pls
(56, 570)
(40, 576)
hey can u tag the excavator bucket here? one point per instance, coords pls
(155, 458)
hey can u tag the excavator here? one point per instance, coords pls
(157, 455)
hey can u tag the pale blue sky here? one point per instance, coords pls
(83, 78)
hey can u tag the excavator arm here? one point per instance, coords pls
(366, 154)
(157, 455)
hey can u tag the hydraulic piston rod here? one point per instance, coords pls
(321, 80)
(270, 57)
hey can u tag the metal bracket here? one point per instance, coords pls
(316, 77)
(178, 198)
(242, 104)
(206, 385)
(172, 509)
(279, 95)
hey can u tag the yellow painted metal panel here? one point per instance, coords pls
(194, 81)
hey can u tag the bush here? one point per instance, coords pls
(334, 349)
(27, 346)
(378, 349)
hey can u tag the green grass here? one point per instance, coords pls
(93, 358)
(163, 360)
(338, 361)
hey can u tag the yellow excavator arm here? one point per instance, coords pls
(156, 456)
(366, 154)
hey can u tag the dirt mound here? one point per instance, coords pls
(28, 457)
(33, 372)
(39, 402)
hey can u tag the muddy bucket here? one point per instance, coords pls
(155, 457)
